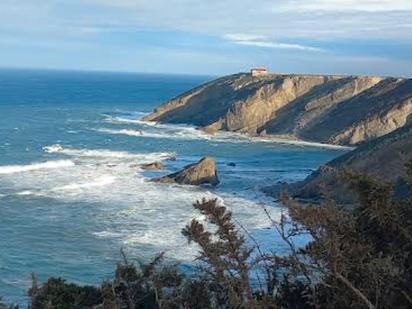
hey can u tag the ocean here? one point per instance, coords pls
(72, 194)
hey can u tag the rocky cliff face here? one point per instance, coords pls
(345, 110)
(383, 159)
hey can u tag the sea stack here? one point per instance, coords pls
(202, 172)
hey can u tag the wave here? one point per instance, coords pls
(191, 133)
(26, 192)
(181, 131)
(104, 153)
(70, 188)
(129, 132)
(101, 182)
(132, 118)
(182, 134)
(11, 169)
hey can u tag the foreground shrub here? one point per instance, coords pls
(4, 306)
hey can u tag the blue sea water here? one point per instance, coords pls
(71, 190)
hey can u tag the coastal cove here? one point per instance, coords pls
(72, 193)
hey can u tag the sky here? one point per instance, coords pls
(209, 37)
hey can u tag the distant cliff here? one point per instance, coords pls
(343, 110)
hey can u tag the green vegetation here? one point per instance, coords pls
(358, 258)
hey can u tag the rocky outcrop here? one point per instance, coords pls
(202, 172)
(344, 110)
(152, 166)
(383, 159)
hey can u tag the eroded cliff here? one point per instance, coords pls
(344, 110)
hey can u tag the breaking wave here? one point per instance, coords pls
(11, 169)
(154, 129)
(103, 153)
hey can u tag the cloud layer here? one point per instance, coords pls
(249, 31)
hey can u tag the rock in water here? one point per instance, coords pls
(202, 172)
(152, 166)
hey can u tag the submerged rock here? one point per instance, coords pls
(152, 166)
(202, 172)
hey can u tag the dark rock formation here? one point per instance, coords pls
(202, 172)
(344, 110)
(383, 159)
(152, 166)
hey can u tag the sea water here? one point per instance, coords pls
(72, 194)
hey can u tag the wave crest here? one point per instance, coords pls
(104, 153)
(11, 169)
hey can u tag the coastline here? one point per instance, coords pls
(269, 138)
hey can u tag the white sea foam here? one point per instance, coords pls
(71, 189)
(172, 131)
(104, 153)
(181, 134)
(107, 234)
(130, 119)
(133, 212)
(53, 148)
(100, 182)
(25, 193)
(129, 132)
(11, 169)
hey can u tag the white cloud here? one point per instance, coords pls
(281, 19)
(348, 5)
(313, 19)
(265, 24)
(261, 41)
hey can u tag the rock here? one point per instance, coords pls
(152, 166)
(231, 164)
(202, 172)
(382, 159)
(343, 110)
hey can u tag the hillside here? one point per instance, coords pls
(383, 159)
(342, 110)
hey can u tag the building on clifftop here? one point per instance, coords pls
(259, 71)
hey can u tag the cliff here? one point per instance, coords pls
(343, 110)
(383, 159)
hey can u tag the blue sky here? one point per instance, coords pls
(210, 37)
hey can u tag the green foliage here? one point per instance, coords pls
(408, 167)
(4, 306)
(57, 294)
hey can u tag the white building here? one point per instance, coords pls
(259, 71)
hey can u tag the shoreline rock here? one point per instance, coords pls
(382, 159)
(202, 172)
(152, 166)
